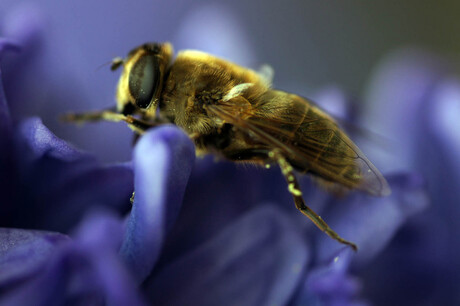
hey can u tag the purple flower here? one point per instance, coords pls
(225, 236)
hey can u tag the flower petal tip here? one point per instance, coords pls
(25, 24)
(169, 134)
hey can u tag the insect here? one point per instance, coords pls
(233, 112)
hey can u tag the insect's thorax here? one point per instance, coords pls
(195, 80)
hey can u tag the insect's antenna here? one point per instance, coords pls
(114, 64)
(102, 66)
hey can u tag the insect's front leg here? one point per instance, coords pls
(137, 125)
(294, 189)
(106, 115)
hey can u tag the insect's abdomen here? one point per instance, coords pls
(317, 144)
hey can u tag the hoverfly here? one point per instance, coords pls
(233, 112)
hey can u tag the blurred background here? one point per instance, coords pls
(310, 45)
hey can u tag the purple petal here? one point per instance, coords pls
(258, 260)
(58, 195)
(118, 284)
(24, 23)
(331, 279)
(436, 235)
(100, 230)
(109, 187)
(220, 192)
(61, 181)
(100, 236)
(23, 253)
(86, 271)
(6, 155)
(439, 160)
(42, 141)
(47, 288)
(371, 222)
(215, 28)
(395, 104)
(441, 164)
(5, 121)
(416, 267)
(45, 159)
(331, 284)
(7, 45)
(334, 101)
(442, 114)
(421, 93)
(163, 160)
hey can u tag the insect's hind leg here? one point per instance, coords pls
(294, 189)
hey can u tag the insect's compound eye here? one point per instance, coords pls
(144, 79)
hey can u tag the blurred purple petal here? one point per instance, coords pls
(421, 93)
(116, 281)
(24, 23)
(7, 45)
(416, 267)
(441, 163)
(258, 260)
(163, 160)
(436, 235)
(442, 114)
(5, 121)
(100, 230)
(109, 187)
(371, 222)
(64, 194)
(219, 193)
(331, 284)
(23, 253)
(61, 182)
(100, 235)
(41, 141)
(216, 28)
(333, 280)
(5, 126)
(334, 101)
(47, 288)
(85, 271)
(398, 90)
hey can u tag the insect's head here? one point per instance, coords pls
(141, 80)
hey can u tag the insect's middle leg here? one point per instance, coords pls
(294, 189)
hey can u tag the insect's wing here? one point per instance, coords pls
(307, 136)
